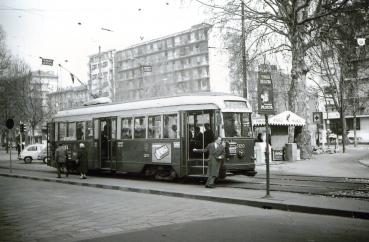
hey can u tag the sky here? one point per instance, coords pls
(68, 31)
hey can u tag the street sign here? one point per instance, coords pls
(48, 62)
(318, 117)
(147, 68)
(10, 123)
(265, 93)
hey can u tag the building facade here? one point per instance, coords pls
(44, 83)
(67, 98)
(101, 74)
(356, 99)
(170, 65)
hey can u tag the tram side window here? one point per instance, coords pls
(62, 131)
(246, 125)
(140, 127)
(126, 130)
(170, 126)
(155, 127)
(236, 125)
(56, 138)
(80, 130)
(71, 131)
(89, 131)
(232, 127)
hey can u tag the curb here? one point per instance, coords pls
(250, 202)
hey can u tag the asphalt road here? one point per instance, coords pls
(47, 211)
(252, 228)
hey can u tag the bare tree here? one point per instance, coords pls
(292, 26)
(335, 60)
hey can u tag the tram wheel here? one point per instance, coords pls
(167, 175)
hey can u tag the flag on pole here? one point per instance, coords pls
(48, 62)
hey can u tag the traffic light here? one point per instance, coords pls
(21, 128)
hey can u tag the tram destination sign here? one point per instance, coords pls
(265, 93)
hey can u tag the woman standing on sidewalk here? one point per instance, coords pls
(82, 160)
(216, 157)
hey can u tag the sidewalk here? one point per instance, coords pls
(256, 198)
(354, 163)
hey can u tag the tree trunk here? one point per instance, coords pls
(298, 100)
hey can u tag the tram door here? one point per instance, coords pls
(107, 137)
(198, 138)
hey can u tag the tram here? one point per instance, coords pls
(156, 137)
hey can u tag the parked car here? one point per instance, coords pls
(31, 152)
(43, 155)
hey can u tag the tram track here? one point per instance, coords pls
(357, 188)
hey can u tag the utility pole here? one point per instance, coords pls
(244, 73)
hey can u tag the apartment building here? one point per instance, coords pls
(68, 98)
(356, 99)
(101, 74)
(175, 64)
(43, 82)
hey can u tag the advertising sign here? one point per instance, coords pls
(278, 155)
(265, 93)
(161, 153)
(318, 117)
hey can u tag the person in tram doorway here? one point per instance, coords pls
(216, 157)
(61, 159)
(82, 160)
(208, 135)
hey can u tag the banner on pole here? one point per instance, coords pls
(265, 93)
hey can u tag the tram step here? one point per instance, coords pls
(197, 170)
(197, 163)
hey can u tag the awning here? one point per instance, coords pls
(286, 118)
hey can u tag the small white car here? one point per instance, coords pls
(31, 152)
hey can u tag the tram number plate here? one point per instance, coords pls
(232, 150)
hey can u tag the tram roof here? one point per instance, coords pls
(160, 105)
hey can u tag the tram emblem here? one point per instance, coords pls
(161, 153)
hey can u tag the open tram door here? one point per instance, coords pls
(200, 127)
(105, 137)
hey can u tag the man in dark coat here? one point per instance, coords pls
(60, 159)
(82, 160)
(216, 157)
(208, 135)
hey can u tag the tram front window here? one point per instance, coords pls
(237, 125)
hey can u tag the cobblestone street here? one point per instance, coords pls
(44, 211)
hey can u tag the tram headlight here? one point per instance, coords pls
(240, 154)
